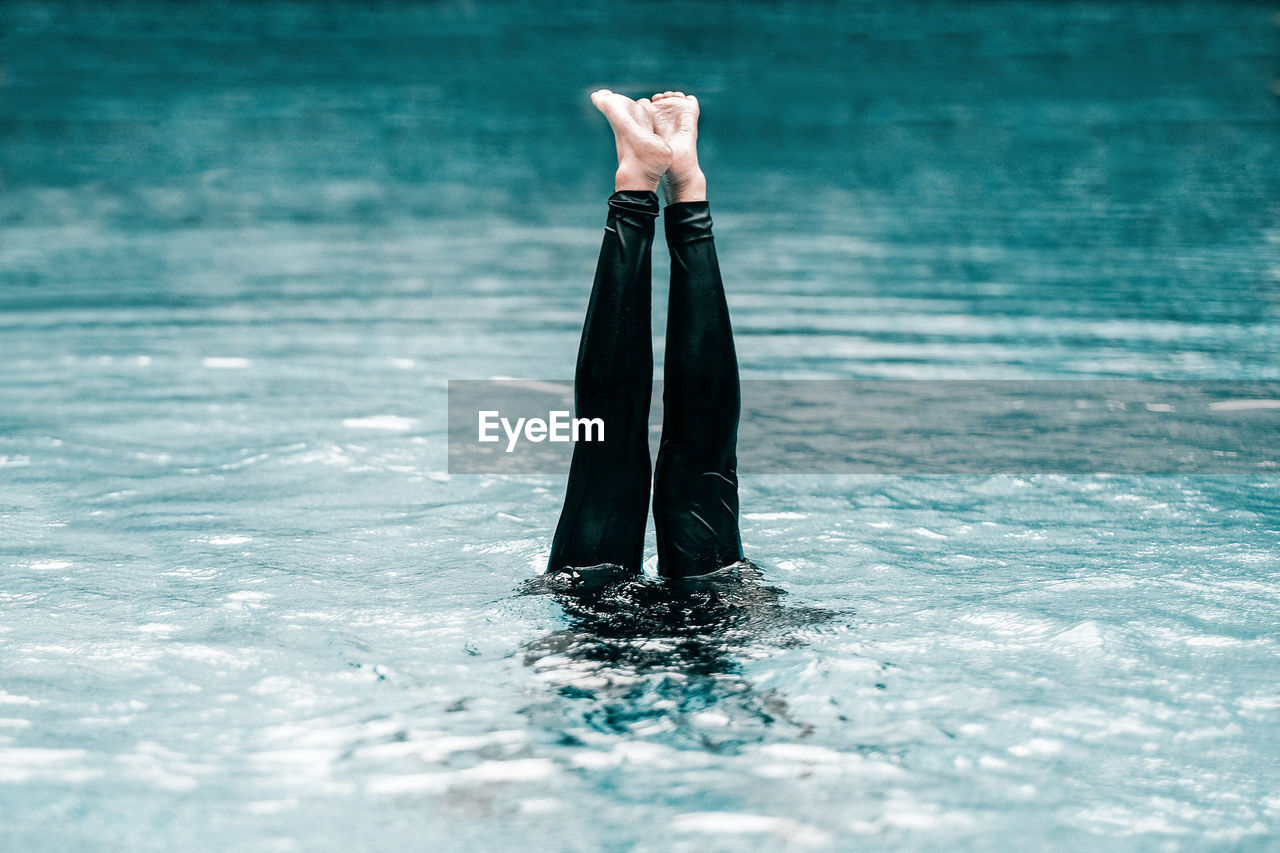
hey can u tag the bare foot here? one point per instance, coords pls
(643, 157)
(675, 119)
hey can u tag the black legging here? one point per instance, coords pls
(695, 503)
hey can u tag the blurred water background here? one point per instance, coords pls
(243, 246)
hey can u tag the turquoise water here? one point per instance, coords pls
(245, 245)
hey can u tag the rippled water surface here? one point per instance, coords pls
(244, 245)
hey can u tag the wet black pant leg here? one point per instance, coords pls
(607, 500)
(695, 502)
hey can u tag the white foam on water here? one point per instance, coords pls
(270, 807)
(1260, 703)
(516, 770)
(1121, 821)
(737, 823)
(801, 752)
(229, 540)
(26, 764)
(437, 749)
(389, 423)
(1036, 746)
(486, 773)
(1243, 405)
(905, 812)
(157, 628)
(226, 362)
(1086, 636)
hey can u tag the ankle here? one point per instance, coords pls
(688, 186)
(635, 177)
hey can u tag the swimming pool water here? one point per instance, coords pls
(245, 245)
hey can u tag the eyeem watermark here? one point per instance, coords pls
(911, 427)
(558, 426)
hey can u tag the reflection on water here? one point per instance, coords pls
(660, 658)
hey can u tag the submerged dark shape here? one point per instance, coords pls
(612, 601)
(649, 655)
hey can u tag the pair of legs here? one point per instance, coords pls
(695, 485)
